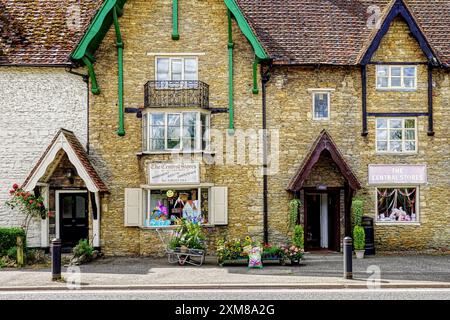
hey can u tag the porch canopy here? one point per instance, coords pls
(324, 143)
(65, 141)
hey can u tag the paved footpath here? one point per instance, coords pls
(316, 272)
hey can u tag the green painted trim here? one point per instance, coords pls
(94, 85)
(255, 76)
(119, 44)
(230, 75)
(175, 33)
(246, 30)
(95, 27)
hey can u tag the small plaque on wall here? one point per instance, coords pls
(174, 173)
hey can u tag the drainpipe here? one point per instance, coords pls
(85, 78)
(95, 89)
(175, 33)
(230, 75)
(119, 44)
(265, 77)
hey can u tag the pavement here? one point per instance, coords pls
(317, 271)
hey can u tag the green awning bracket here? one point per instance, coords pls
(255, 76)
(94, 85)
(230, 75)
(119, 44)
(175, 33)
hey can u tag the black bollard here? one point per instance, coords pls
(56, 259)
(347, 244)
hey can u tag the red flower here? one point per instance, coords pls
(11, 191)
(31, 201)
(15, 186)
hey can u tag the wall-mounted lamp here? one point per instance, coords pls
(70, 175)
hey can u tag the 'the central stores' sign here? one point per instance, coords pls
(397, 174)
(174, 173)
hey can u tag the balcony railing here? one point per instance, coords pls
(168, 94)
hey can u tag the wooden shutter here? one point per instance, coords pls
(133, 207)
(219, 205)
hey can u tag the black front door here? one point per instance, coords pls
(73, 217)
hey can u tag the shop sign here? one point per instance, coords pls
(397, 174)
(174, 173)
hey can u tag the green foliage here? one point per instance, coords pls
(83, 248)
(357, 209)
(8, 238)
(188, 234)
(231, 249)
(12, 253)
(294, 204)
(271, 250)
(298, 239)
(359, 238)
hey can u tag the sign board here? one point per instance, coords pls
(397, 174)
(174, 173)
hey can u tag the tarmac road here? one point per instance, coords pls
(265, 294)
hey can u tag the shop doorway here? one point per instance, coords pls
(73, 217)
(322, 221)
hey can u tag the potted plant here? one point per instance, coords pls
(359, 241)
(188, 237)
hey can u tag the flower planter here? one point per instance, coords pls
(359, 254)
(238, 261)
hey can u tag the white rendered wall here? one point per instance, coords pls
(34, 104)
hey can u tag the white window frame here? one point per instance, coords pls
(198, 140)
(321, 91)
(402, 77)
(396, 223)
(147, 191)
(182, 58)
(388, 151)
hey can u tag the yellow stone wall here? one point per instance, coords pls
(146, 29)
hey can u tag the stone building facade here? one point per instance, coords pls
(356, 113)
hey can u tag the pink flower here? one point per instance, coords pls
(31, 201)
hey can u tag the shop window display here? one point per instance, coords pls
(164, 207)
(397, 204)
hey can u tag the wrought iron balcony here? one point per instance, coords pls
(169, 94)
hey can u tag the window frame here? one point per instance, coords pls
(402, 77)
(403, 141)
(198, 128)
(328, 93)
(416, 205)
(147, 201)
(174, 57)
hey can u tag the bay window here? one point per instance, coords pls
(396, 135)
(397, 204)
(172, 131)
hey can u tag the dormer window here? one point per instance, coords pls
(396, 77)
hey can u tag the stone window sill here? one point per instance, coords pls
(393, 224)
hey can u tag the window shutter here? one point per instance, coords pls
(219, 207)
(133, 207)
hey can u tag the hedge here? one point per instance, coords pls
(8, 238)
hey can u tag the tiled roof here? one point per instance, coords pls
(38, 32)
(335, 31)
(80, 154)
